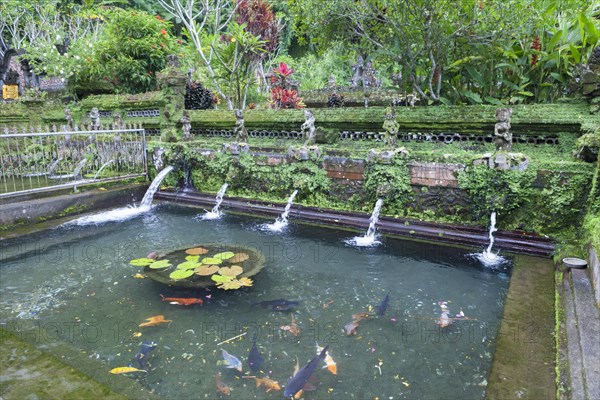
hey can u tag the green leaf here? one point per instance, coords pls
(193, 259)
(554, 40)
(212, 260)
(575, 53)
(525, 93)
(181, 274)
(160, 264)
(558, 77)
(473, 97)
(188, 265)
(141, 262)
(224, 256)
(493, 100)
(221, 278)
(475, 75)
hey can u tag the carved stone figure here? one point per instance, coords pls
(240, 132)
(117, 120)
(187, 126)
(503, 136)
(69, 118)
(391, 127)
(308, 128)
(95, 119)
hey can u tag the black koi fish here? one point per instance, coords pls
(277, 305)
(382, 307)
(301, 377)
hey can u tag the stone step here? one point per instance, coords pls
(588, 326)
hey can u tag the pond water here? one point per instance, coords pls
(74, 285)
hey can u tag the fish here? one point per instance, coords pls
(382, 307)
(232, 361)
(145, 348)
(292, 327)
(126, 370)
(278, 305)
(221, 386)
(153, 255)
(329, 363)
(350, 328)
(254, 358)
(444, 320)
(301, 377)
(268, 383)
(359, 317)
(155, 320)
(182, 301)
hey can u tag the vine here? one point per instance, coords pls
(390, 182)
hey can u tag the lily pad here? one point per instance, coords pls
(181, 274)
(160, 264)
(211, 260)
(196, 250)
(205, 270)
(239, 257)
(225, 255)
(221, 278)
(234, 270)
(141, 262)
(188, 265)
(246, 281)
(193, 259)
(234, 284)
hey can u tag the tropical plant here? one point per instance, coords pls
(283, 95)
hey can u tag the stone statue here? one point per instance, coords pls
(187, 126)
(391, 127)
(240, 132)
(502, 134)
(308, 128)
(69, 118)
(332, 84)
(117, 120)
(95, 118)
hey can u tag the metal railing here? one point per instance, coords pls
(36, 162)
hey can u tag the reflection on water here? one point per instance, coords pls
(81, 290)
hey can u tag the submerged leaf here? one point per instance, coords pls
(196, 251)
(239, 257)
(141, 262)
(205, 270)
(211, 260)
(193, 259)
(221, 278)
(188, 265)
(160, 264)
(181, 274)
(234, 270)
(225, 255)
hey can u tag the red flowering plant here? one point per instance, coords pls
(282, 93)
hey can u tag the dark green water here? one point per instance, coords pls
(74, 285)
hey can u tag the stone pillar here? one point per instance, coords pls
(172, 83)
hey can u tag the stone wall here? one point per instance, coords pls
(594, 267)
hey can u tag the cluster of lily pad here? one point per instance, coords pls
(226, 277)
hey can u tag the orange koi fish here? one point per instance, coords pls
(329, 363)
(155, 320)
(221, 386)
(268, 383)
(182, 301)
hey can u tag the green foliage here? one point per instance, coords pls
(390, 182)
(313, 70)
(131, 49)
(491, 189)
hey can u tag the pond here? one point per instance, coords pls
(74, 285)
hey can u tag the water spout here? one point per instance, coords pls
(369, 239)
(215, 213)
(102, 167)
(487, 257)
(124, 213)
(153, 188)
(282, 221)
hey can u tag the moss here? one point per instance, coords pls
(142, 101)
